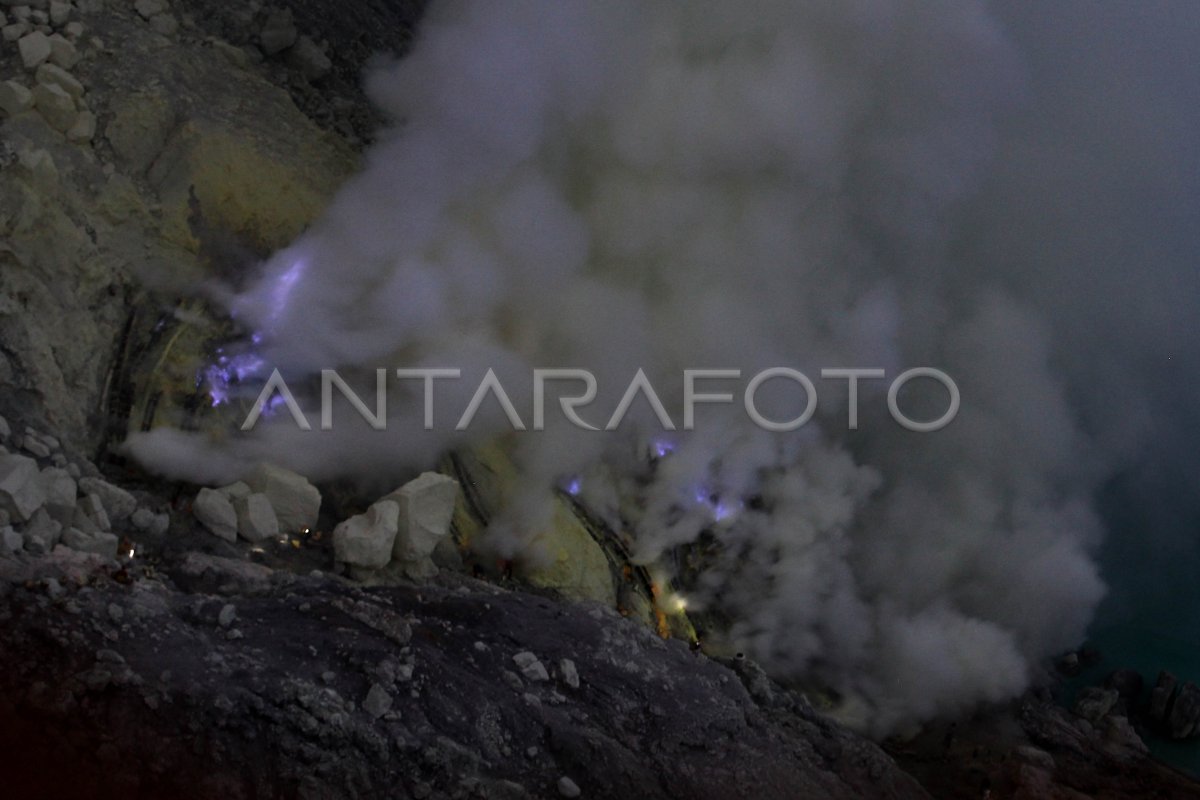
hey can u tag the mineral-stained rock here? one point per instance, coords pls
(296, 501)
(216, 513)
(307, 58)
(367, 539)
(426, 507)
(256, 518)
(84, 129)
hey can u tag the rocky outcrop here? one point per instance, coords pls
(242, 689)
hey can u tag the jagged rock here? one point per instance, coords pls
(101, 544)
(14, 99)
(20, 490)
(1183, 720)
(92, 506)
(149, 8)
(227, 615)
(62, 51)
(35, 49)
(60, 491)
(256, 518)
(73, 30)
(52, 74)
(307, 58)
(570, 675)
(216, 513)
(84, 129)
(296, 501)
(377, 702)
(118, 503)
(44, 529)
(58, 109)
(223, 575)
(278, 32)
(1094, 703)
(367, 539)
(60, 12)
(1160, 696)
(32, 444)
(426, 508)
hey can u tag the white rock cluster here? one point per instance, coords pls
(46, 34)
(271, 502)
(47, 501)
(401, 529)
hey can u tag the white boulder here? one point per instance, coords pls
(426, 509)
(20, 490)
(296, 501)
(256, 518)
(367, 539)
(216, 513)
(59, 489)
(35, 49)
(118, 503)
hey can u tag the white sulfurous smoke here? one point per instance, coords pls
(668, 186)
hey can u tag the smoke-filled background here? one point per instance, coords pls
(1004, 191)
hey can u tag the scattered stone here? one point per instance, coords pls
(52, 74)
(531, 667)
(367, 539)
(570, 675)
(43, 528)
(63, 52)
(84, 129)
(568, 787)
(147, 521)
(31, 444)
(227, 615)
(59, 490)
(10, 540)
(58, 109)
(93, 507)
(60, 12)
(22, 13)
(278, 32)
(5, 430)
(119, 503)
(426, 508)
(14, 99)
(256, 518)
(296, 501)
(20, 490)
(14, 32)
(149, 8)
(101, 544)
(307, 58)
(35, 49)
(216, 513)
(73, 30)
(378, 701)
